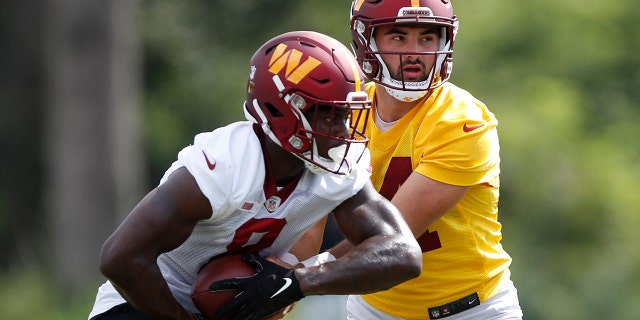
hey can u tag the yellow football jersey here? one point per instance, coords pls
(450, 137)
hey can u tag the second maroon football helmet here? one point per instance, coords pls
(366, 15)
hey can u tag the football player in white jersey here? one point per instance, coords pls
(256, 187)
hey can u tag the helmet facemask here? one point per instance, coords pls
(342, 152)
(304, 143)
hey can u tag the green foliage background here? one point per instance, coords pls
(561, 76)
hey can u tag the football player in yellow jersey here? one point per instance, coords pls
(435, 154)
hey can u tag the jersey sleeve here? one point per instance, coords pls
(463, 147)
(226, 164)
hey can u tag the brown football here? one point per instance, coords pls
(218, 268)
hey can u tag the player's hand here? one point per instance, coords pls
(281, 313)
(272, 289)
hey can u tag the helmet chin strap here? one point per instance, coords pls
(315, 168)
(336, 154)
(342, 160)
(406, 96)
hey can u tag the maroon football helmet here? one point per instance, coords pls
(366, 15)
(295, 74)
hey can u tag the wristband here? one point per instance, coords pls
(318, 259)
(289, 258)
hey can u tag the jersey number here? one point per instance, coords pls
(256, 234)
(401, 169)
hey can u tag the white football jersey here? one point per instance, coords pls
(249, 213)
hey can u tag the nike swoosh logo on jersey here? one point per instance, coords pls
(472, 301)
(287, 283)
(209, 163)
(465, 128)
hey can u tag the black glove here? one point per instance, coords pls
(271, 289)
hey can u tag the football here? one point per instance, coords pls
(218, 268)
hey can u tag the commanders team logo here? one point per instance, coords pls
(296, 69)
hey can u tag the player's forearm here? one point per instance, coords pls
(341, 249)
(377, 264)
(157, 304)
(147, 291)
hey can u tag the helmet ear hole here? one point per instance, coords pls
(273, 111)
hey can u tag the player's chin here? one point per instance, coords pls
(414, 77)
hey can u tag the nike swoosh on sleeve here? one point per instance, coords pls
(211, 165)
(465, 128)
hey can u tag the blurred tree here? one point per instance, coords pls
(21, 84)
(196, 58)
(93, 127)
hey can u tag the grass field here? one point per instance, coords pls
(29, 294)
